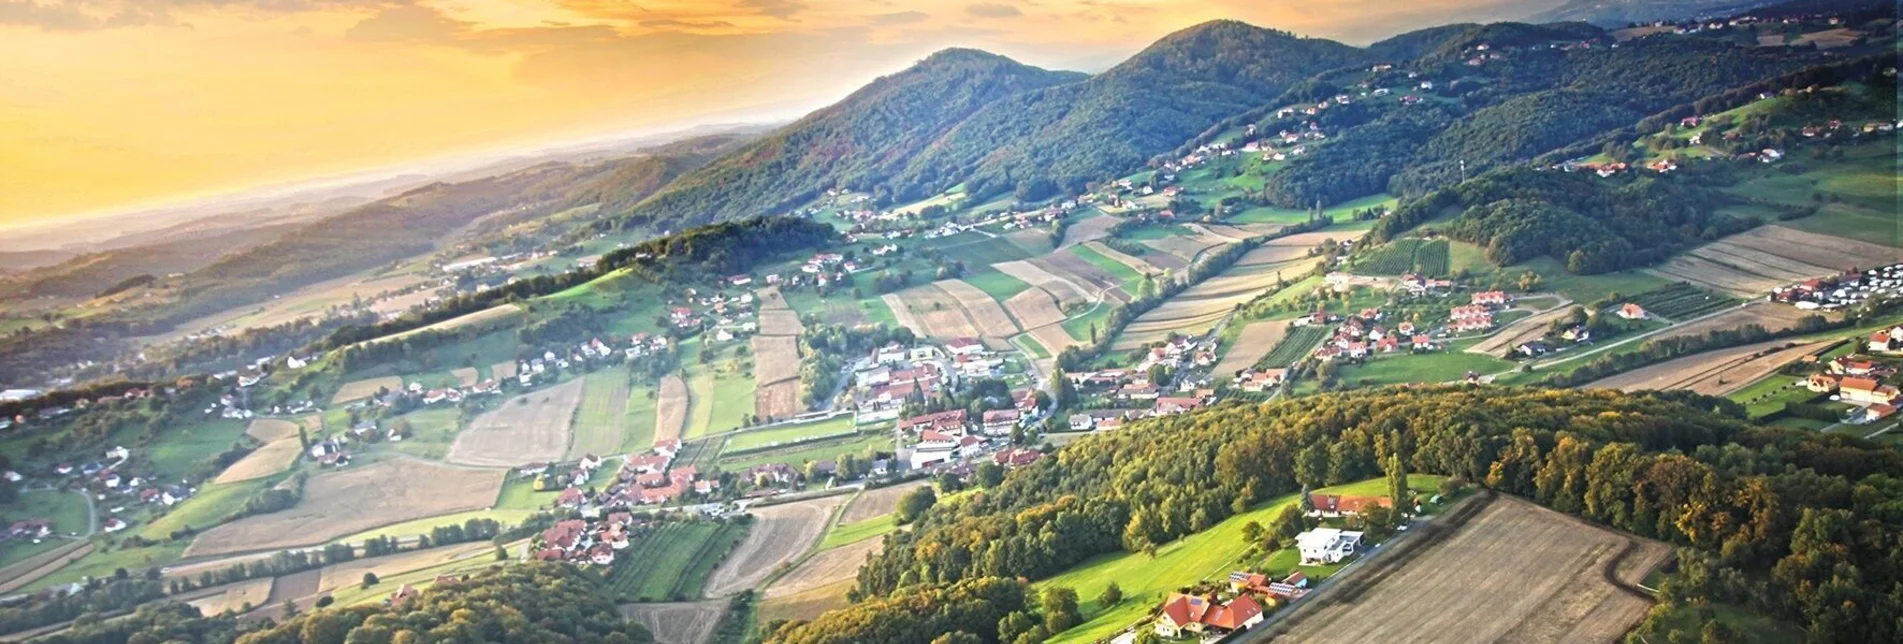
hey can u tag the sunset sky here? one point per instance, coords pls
(106, 104)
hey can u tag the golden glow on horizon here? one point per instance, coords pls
(109, 102)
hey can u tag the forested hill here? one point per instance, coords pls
(1799, 524)
(967, 115)
(1041, 143)
(857, 142)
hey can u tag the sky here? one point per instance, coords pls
(110, 104)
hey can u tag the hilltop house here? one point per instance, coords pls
(1631, 311)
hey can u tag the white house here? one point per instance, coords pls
(1327, 545)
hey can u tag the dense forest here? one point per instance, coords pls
(532, 602)
(1804, 525)
(1592, 224)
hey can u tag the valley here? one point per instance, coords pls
(1251, 335)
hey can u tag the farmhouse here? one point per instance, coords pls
(1490, 298)
(1631, 311)
(1189, 614)
(1327, 545)
(1000, 421)
(1329, 505)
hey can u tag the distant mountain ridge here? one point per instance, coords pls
(1618, 13)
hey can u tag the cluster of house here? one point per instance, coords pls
(728, 315)
(1188, 614)
(1133, 388)
(1363, 334)
(1860, 381)
(1419, 285)
(953, 436)
(653, 479)
(103, 480)
(1848, 289)
(891, 375)
(584, 542)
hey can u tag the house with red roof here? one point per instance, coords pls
(1194, 614)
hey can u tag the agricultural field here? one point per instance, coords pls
(274, 457)
(601, 418)
(780, 322)
(780, 534)
(1773, 317)
(1088, 229)
(1542, 582)
(365, 388)
(931, 313)
(1682, 301)
(1448, 365)
(353, 500)
(1253, 343)
(776, 376)
(1099, 254)
(1033, 308)
(979, 250)
(877, 502)
(827, 568)
(1755, 261)
(270, 429)
(845, 534)
(671, 563)
(678, 622)
(1068, 292)
(984, 312)
(529, 428)
(790, 434)
(30, 565)
(1201, 306)
(1408, 255)
(236, 598)
(670, 408)
(997, 284)
(1715, 373)
(1295, 345)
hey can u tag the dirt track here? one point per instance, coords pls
(530, 428)
(780, 534)
(1515, 573)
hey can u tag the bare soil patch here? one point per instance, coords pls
(902, 313)
(350, 573)
(465, 376)
(274, 457)
(292, 587)
(532, 427)
(503, 370)
(361, 389)
(1034, 307)
(1200, 307)
(776, 371)
(778, 400)
(1243, 231)
(824, 569)
(780, 322)
(1516, 573)
(878, 502)
(780, 534)
(270, 429)
(1054, 338)
(1766, 257)
(1253, 343)
(678, 622)
(984, 311)
(770, 298)
(936, 312)
(806, 605)
(353, 500)
(671, 404)
(1773, 317)
(255, 592)
(1088, 230)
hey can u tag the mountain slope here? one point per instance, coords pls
(1118, 120)
(854, 143)
(1614, 13)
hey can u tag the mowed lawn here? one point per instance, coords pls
(671, 562)
(799, 455)
(1210, 554)
(1445, 365)
(640, 418)
(995, 283)
(188, 445)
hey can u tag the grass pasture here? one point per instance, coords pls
(672, 561)
(601, 420)
(790, 434)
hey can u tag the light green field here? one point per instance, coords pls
(1210, 554)
(640, 419)
(1116, 269)
(1446, 365)
(732, 401)
(995, 284)
(787, 434)
(64, 511)
(672, 562)
(851, 533)
(183, 448)
(104, 561)
(799, 455)
(432, 429)
(424, 525)
(601, 423)
(211, 506)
